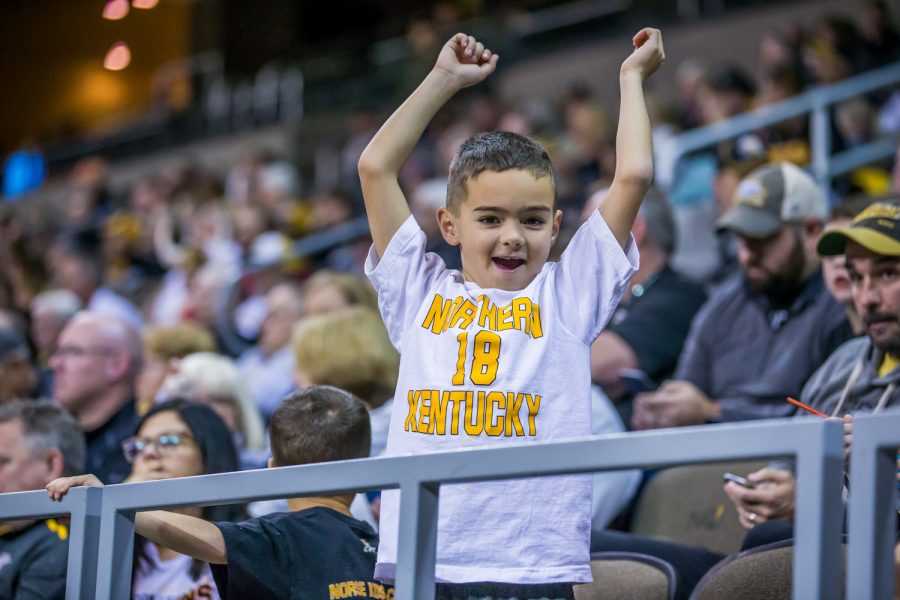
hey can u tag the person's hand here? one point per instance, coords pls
(772, 498)
(675, 404)
(466, 60)
(648, 53)
(57, 488)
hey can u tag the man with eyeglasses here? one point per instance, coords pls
(95, 369)
(39, 442)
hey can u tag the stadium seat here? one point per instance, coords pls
(762, 573)
(628, 575)
(688, 505)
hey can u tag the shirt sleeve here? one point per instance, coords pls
(590, 278)
(257, 565)
(695, 361)
(402, 277)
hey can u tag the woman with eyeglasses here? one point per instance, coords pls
(177, 438)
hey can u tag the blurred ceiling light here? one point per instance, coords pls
(144, 4)
(117, 57)
(116, 9)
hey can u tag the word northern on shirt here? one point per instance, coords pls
(494, 412)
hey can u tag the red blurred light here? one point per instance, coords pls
(117, 57)
(116, 9)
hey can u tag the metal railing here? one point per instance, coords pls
(816, 103)
(83, 506)
(817, 446)
(873, 514)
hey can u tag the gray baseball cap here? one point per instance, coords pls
(771, 196)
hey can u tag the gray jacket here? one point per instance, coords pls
(848, 381)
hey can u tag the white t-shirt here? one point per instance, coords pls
(489, 367)
(171, 579)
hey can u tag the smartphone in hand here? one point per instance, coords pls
(636, 381)
(742, 481)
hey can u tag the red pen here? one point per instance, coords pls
(807, 408)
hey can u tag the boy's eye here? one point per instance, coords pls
(534, 222)
(488, 220)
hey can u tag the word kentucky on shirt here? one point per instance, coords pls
(492, 412)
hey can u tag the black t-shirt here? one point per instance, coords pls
(311, 554)
(33, 562)
(656, 319)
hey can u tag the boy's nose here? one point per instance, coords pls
(512, 237)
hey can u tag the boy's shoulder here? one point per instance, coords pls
(317, 517)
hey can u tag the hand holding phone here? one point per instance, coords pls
(741, 481)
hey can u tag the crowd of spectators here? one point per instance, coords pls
(184, 292)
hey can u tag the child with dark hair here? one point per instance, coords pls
(498, 352)
(316, 550)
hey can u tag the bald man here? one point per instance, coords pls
(95, 368)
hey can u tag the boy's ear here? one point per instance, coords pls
(557, 221)
(448, 226)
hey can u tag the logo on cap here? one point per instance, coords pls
(752, 193)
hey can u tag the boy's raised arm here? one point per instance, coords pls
(463, 61)
(634, 149)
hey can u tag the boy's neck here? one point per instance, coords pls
(340, 504)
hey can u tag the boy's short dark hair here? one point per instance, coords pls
(319, 424)
(495, 151)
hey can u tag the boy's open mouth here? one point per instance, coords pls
(508, 264)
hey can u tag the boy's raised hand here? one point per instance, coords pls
(648, 53)
(466, 60)
(57, 488)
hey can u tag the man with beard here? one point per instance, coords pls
(861, 376)
(759, 338)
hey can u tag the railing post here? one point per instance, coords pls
(817, 558)
(821, 145)
(115, 553)
(84, 536)
(417, 541)
(873, 519)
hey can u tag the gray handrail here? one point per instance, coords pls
(873, 516)
(814, 102)
(816, 444)
(83, 508)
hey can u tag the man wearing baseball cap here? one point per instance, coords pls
(860, 376)
(761, 336)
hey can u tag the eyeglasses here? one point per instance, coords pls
(164, 443)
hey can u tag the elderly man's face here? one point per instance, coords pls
(20, 469)
(81, 365)
(875, 281)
